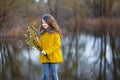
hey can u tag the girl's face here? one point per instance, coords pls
(44, 24)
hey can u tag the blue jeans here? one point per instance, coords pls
(53, 68)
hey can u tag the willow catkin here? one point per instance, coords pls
(32, 39)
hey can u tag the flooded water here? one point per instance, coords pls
(87, 58)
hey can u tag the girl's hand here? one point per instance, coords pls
(43, 52)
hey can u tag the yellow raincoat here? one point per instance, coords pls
(50, 42)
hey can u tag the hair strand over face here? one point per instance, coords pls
(50, 20)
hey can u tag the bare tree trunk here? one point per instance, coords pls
(50, 7)
(29, 63)
(103, 9)
(11, 3)
(112, 44)
(101, 54)
(104, 56)
(2, 65)
(56, 8)
(76, 35)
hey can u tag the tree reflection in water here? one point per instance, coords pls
(14, 64)
(98, 58)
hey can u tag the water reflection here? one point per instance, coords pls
(94, 61)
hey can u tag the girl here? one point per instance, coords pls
(50, 43)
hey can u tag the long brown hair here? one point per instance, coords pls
(50, 20)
